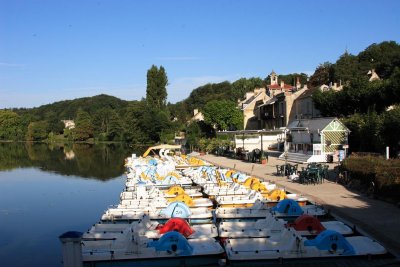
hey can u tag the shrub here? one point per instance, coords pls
(385, 174)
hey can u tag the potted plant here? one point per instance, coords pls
(202, 146)
(263, 158)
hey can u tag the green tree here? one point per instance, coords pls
(323, 74)
(83, 126)
(115, 129)
(243, 85)
(156, 92)
(133, 121)
(347, 69)
(179, 111)
(155, 122)
(382, 57)
(100, 121)
(327, 103)
(193, 134)
(37, 131)
(371, 133)
(391, 129)
(366, 132)
(223, 114)
(200, 96)
(10, 125)
(54, 122)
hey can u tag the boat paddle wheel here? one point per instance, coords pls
(176, 224)
(308, 223)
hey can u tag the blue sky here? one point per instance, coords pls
(58, 50)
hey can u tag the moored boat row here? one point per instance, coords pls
(181, 210)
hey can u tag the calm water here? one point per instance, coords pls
(48, 190)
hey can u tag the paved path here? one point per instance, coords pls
(375, 218)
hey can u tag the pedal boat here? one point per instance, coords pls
(290, 245)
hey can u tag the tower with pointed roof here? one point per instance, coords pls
(274, 78)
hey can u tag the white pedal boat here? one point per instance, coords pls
(305, 225)
(156, 193)
(103, 231)
(258, 210)
(163, 184)
(214, 190)
(154, 230)
(160, 202)
(289, 245)
(291, 208)
(157, 203)
(174, 209)
(259, 228)
(239, 201)
(172, 245)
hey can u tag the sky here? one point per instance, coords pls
(58, 50)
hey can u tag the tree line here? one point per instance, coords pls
(370, 109)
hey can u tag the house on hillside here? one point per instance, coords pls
(69, 124)
(197, 116)
(373, 76)
(334, 87)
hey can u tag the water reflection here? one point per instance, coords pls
(44, 192)
(102, 161)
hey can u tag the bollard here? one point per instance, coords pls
(71, 249)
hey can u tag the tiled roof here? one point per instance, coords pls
(269, 102)
(308, 93)
(278, 87)
(248, 101)
(311, 124)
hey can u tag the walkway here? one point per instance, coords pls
(375, 218)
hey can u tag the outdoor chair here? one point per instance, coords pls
(278, 170)
(285, 168)
(326, 171)
(294, 168)
(313, 175)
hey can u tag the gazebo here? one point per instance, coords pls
(316, 140)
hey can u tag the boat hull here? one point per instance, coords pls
(205, 260)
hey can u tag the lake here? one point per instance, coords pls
(46, 190)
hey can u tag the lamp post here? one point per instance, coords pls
(283, 138)
(285, 148)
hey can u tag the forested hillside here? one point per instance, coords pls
(369, 108)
